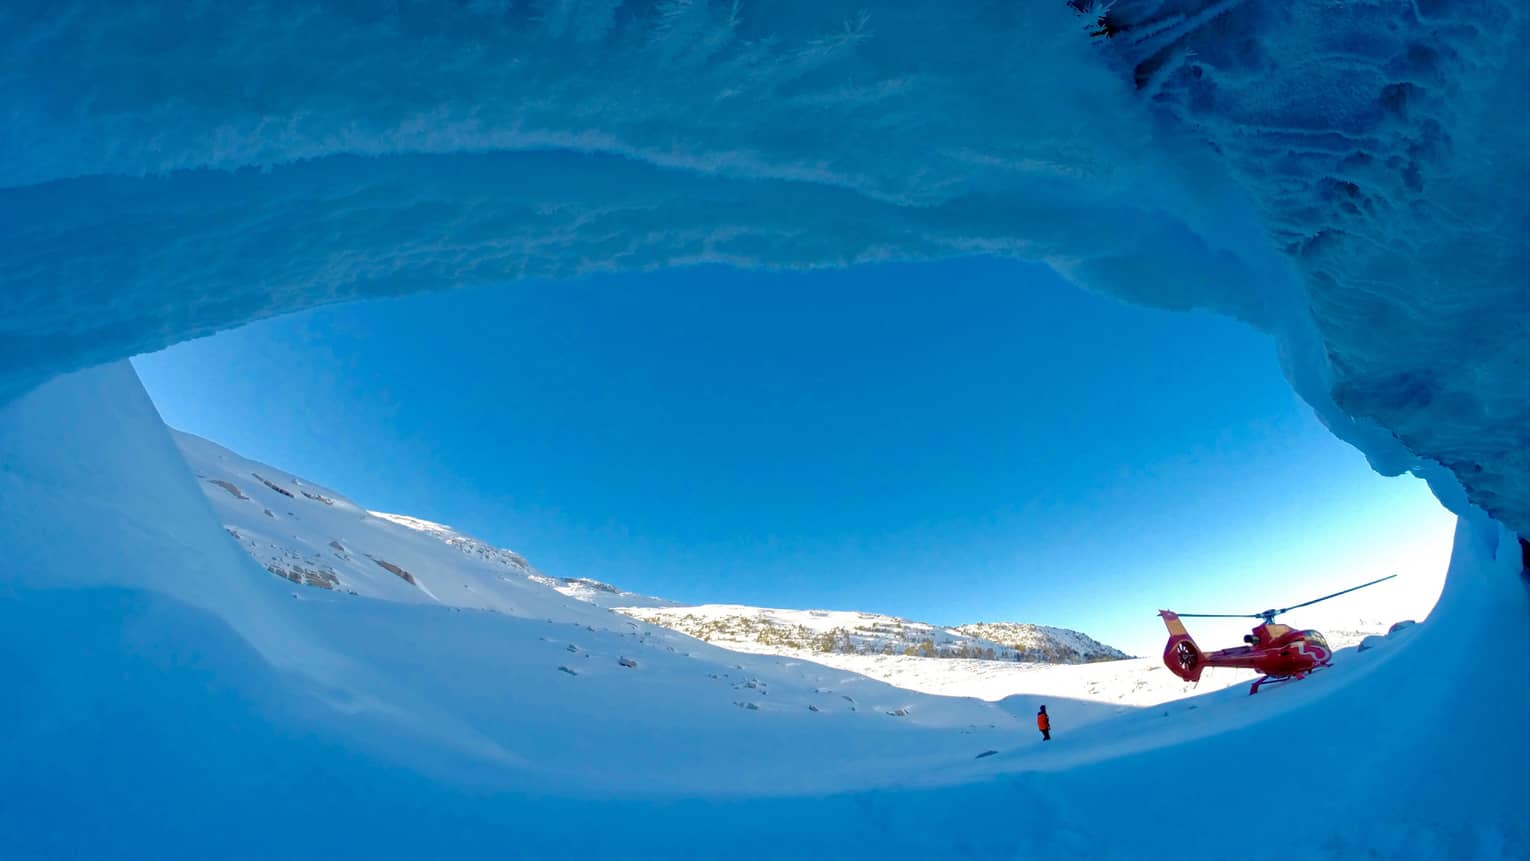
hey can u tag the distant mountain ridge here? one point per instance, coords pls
(1045, 643)
(847, 632)
(316, 537)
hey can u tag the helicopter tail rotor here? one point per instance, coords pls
(1181, 655)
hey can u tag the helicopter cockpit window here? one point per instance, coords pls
(1315, 637)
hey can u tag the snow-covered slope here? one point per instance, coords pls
(322, 539)
(156, 667)
(600, 594)
(777, 631)
(317, 537)
(1044, 642)
(467, 667)
(582, 588)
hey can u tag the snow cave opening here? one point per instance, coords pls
(765, 321)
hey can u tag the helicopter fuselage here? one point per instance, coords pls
(1276, 650)
(1279, 651)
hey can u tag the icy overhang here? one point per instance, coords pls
(1345, 176)
(1385, 144)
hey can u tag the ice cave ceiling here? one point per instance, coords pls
(1347, 176)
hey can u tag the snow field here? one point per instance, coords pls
(167, 689)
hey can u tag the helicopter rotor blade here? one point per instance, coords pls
(1335, 595)
(1270, 614)
(1219, 615)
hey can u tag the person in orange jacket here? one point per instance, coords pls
(1044, 724)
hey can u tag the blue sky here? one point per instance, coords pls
(950, 441)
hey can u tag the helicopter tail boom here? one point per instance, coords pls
(1181, 655)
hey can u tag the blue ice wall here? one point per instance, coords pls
(1386, 146)
(1337, 174)
(177, 173)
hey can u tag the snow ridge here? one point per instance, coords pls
(317, 537)
(465, 543)
(840, 632)
(1045, 643)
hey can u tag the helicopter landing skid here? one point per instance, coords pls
(1269, 680)
(1275, 680)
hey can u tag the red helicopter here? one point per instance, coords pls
(1281, 652)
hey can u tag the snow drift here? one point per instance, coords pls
(118, 532)
(166, 691)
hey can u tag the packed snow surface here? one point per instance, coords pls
(156, 666)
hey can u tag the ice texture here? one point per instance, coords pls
(1385, 144)
(1342, 175)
